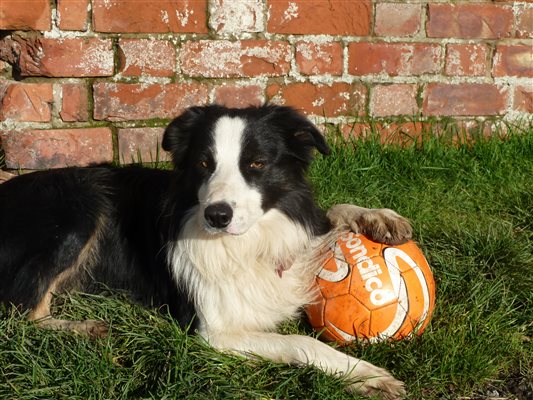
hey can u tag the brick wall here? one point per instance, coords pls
(95, 81)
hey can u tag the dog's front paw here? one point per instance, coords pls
(386, 388)
(385, 226)
(379, 224)
(378, 383)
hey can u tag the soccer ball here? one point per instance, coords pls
(372, 291)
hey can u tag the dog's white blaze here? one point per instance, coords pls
(227, 183)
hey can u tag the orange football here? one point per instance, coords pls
(372, 291)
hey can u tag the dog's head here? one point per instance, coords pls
(242, 162)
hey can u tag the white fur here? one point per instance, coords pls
(227, 183)
(235, 279)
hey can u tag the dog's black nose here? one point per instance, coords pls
(218, 215)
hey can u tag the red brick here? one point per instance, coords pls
(124, 101)
(467, 131)
(239, 96)
(146, 57)
(27, 102)
(463, 131)
(72, 14)
(513, 61)
(10, 48)
(319, 58)
(358, 129)
(25, 15)
(141, 145)
(523, 99)
(467, 59)
(234, 17)
(481, 20)
(394, 58)
(80, 57)
(74, 103)
(407, 133)
(56, 148)
(224, 59)
(524, 22)
(464, 99)
(403, 133)
(158, 16)
(397, 99)
(333, 17)
(397, 19)
(329, 101)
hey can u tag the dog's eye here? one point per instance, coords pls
(256, 165)
(203, 164)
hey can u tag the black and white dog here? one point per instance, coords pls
(228, 241)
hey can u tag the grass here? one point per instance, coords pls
(470, 206)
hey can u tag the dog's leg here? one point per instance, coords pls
(361, 376)
(379, 224)
(66, 280)
(88, 327)
(43, 318)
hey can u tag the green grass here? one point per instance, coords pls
(471, 208)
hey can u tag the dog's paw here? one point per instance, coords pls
(385, 226)
(92, 328)
(378, 382)
(386, 388)
(379, 224)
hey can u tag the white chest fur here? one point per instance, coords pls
(234, 280)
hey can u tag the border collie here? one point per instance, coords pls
(230, 240)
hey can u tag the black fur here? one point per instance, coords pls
(48, 217)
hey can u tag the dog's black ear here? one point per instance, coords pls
(177, 136)
(303, 134)
(311, 136)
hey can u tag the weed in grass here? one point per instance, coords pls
(470, 205)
